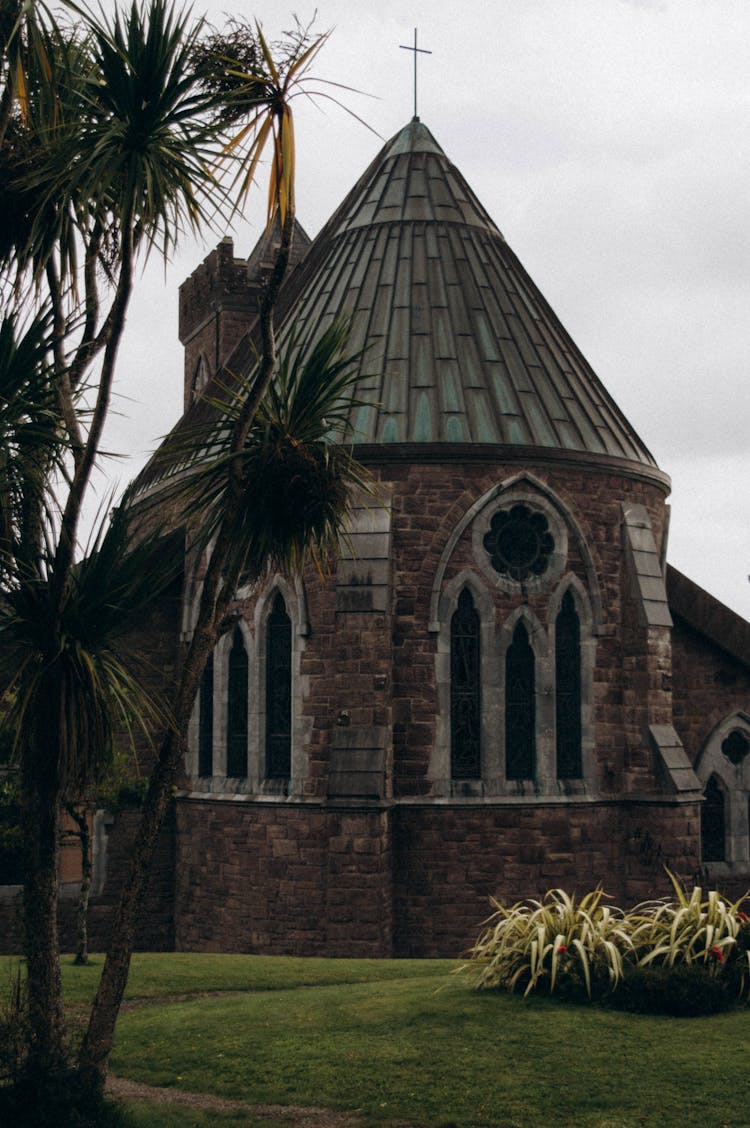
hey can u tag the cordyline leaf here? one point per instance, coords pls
(268, 94)
(297, 475)
(69, 672)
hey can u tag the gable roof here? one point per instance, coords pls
(708, 616)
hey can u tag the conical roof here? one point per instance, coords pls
(460, 345)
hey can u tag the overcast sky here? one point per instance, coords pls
(610, 141)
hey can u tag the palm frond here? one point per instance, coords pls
(32, 443)
(298, 473)
(71, 680)
(256, 89)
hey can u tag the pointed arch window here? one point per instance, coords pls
(713, 823)
(568, 691)
(520, 707)
(466, 758)
(206, 720)
(237, 708)
(278, 692)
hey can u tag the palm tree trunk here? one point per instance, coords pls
(97, 1042)
(40, 806)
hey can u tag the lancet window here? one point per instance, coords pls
(466, 754)
(568, 691)
(237, 699)
(520, 707)
(206, 720)
(278, 691)
(713, 823)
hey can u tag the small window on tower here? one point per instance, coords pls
(200, 376)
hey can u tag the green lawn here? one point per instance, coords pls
(406, 1041)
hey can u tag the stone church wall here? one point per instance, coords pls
(429, 502)
(709, 685)
(305, 880)
(283, 878)
(155, 928)
(449, 861)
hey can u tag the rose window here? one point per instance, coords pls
(519, 543)
(736, 747)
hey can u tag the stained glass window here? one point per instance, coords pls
(237, 708)
(520, 707)
(568, 690)
(736, 747)
(206, 720)
(519, 543)
(713, 823)
(466, 759)
(279, 692)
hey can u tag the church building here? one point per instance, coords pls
(504, 687)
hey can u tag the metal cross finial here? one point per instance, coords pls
(420, 51)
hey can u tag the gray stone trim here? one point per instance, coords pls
(672, 764)
(440, 760)
(645, 568)
(255, 644)
(363, 572)
(493, 645)
(294, 606)
(544, 673)
(585, 614)
(734, 780)
(519, 487)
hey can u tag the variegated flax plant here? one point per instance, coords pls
(559, 944)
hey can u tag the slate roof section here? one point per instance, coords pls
(461, 346)
(705, 614)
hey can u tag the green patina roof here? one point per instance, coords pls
(461, 346)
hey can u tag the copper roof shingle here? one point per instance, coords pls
(461, 346)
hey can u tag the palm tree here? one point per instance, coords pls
(261, 95)
(282, 496)
(110, 148)
(111, 135)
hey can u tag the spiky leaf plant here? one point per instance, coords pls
(70, 679)
(31, 441)
(559, 944)
(693, 928)
(297, 474)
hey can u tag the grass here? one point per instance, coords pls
(406, 1041)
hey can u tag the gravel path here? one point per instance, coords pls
(291, 1114)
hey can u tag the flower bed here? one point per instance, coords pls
(688, 954)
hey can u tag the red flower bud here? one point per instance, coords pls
(717, 953)
(562, 949)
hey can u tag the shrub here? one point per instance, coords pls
(683, 956)
(62, 1100)
(696, 931)
(14, 1026)
(572, 947)
(683, 990)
